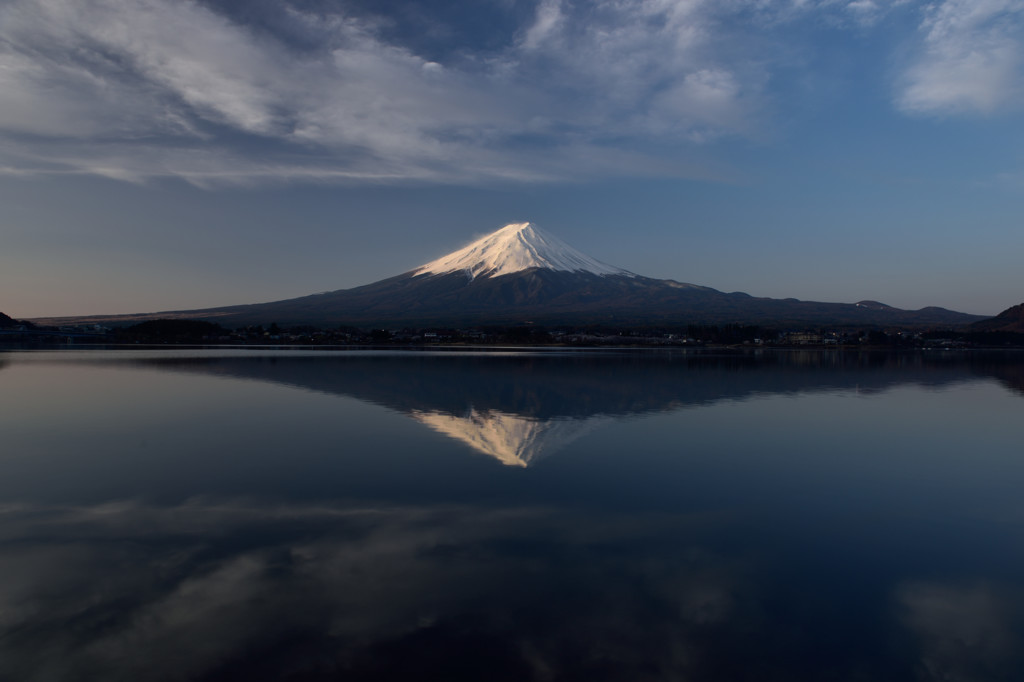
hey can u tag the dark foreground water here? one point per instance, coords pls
(210, 515)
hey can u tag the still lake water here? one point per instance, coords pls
(288, 515)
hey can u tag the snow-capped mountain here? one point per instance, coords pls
(520, 274)
(514, 248)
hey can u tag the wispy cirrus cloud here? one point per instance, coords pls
(135, 89)
(665, 69)
(190, 88)
(970, 60)
(153, 88)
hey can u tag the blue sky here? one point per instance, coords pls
(163, 154)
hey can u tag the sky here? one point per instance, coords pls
(176, 154)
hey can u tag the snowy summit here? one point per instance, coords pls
(514, 248)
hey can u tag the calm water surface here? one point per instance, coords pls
(257, 515)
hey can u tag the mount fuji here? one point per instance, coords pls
(521, 273)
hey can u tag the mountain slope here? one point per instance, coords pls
(522, 274)
(1010, 320)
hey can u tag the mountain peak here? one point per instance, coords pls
(513, 248)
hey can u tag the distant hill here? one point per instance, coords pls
(1010, 320)
(521, 274)
(7, 322)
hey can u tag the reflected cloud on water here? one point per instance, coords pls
(965, 632)
(249, 593)
(236, 590)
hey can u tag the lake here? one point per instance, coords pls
(246, 514)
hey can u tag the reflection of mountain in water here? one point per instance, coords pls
(511, 439)
(518, 407)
